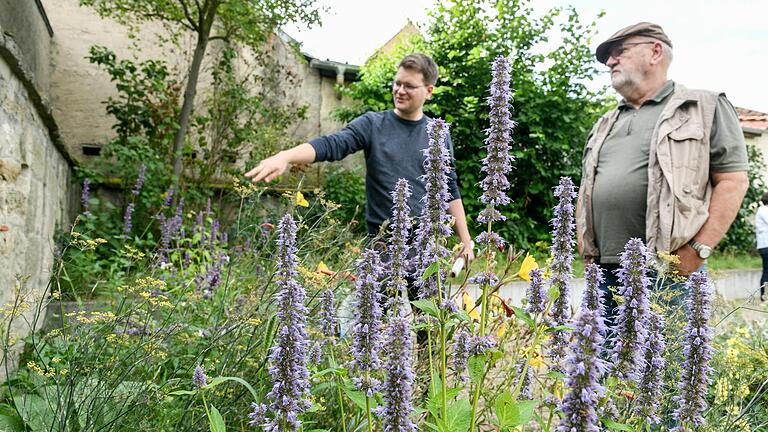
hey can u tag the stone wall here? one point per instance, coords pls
(34, 182)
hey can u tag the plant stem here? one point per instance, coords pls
(443, 356)
(338, 391)
(368, 412)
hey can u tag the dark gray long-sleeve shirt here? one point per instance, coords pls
(393, 149)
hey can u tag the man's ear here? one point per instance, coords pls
(429, 91)
(657, 54)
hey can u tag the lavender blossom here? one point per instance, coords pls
(498, 160)
(288, 357)
(128, 219)
(366, 334)
(85, 197)
(593, 298)
(585, 368)
(652, 374)
(198, 377)
(562, 261)
(537, 297)
(697, 353)
(168, 197)
(481, 344)
(399, 233)
(461, 354)
(207, 282)
(139, 180)
(433, 222)
(632, 315)
(327, 319)
(315, 355)
(525, 387)
(258, 414)
(398, 384)
(487, 278)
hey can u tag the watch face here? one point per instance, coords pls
(705, 252)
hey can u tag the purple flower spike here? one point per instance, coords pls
(461, 355)
(399, 233)
(584, 370)
(632, 315)
(433, 222)
(593, 298)
(697, 353)
(288, 357)
(328, 322)
(128, 218)
(651, 377)
(562, 263)
(366, 334)
(537, 296)
(139, 180)
(398, 385)
(498, 161)
(85, 197)
(198, 377)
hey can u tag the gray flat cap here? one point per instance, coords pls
(640, 29)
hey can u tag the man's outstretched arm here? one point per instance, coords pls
(275, 165)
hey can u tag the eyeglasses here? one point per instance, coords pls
(397, 85)
(618, 51)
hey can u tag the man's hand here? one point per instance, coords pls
(467, 251)
(268, 169)
(689, 260)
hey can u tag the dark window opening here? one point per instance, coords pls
(91, 150)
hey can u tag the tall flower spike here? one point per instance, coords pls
(651, 377)
(433, 226)
(498, 161)
(585, 368)
(128, 218)
(461, 349)
(562, 262)
(398, 384)
(199, 379)
(328, 322)
(631, 328)
(366, 334)
(537, 304)
(288, 357)
(593, 298)
(139, 180)
(85, 197)
(697, 353)
(399, 233)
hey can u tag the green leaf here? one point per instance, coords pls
(427, 306)
(459, 416)
(558, 328)
(553, 293)
(182, 392)
(476, 368)
(216, 420)
(525, 316)
(359, 398)
(432, 269)
(616, 426)
(218, 380)
(510, 413)
(10, 420)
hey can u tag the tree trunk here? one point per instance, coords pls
(203, 34)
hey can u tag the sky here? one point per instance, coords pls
(718, 45)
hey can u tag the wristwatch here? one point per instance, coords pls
(703, 250)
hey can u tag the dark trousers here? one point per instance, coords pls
(764, 277)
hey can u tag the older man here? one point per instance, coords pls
(668, 165)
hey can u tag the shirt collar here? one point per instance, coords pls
(659, 97)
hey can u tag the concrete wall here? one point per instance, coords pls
(34, 190)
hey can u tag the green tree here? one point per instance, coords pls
(740, 237)
(248, 22)
(553, 107)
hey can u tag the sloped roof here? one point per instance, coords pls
(752, 119)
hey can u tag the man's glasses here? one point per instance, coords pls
(397, 85)
(618, 51)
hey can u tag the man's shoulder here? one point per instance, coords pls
(684, 92)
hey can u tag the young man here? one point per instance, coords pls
(392, 141)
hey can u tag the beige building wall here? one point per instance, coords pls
(78, 88)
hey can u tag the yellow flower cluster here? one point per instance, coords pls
(84, 245)
(93, 317)
(46, 372)
(158, 300)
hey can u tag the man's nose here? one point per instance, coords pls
(611, 61)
